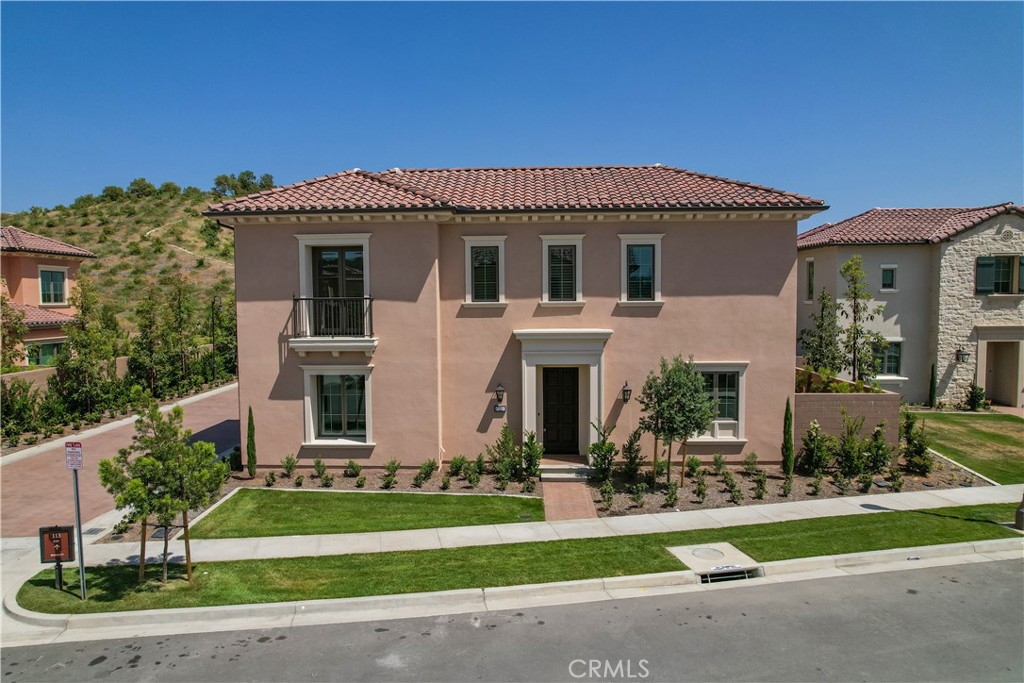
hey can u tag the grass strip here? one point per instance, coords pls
(252, 513)
(343, 576)
(992, 445)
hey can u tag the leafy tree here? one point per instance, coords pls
(250, 446)
(170, 189)
(13, 330)
(180, 328)
(199, 477)
(787, 441)
(821, 343)
(113, 193)
(140, 188)
(860, 343)
(242, 184)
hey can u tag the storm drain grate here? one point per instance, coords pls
(730, 573)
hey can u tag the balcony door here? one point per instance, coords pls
(339, 308)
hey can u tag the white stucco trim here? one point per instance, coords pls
(720, 429)
(333, 345)
(557, 241)
(485, 241)
(306, 244)
(625, 240)
(310, 437)
(582, 348)
(40, 269)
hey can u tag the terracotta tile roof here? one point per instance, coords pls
(579, 188)
(41, 317)
(902, 226)
(16, 239)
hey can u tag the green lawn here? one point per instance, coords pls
(342, 576)
(268, 512)
(990, 444)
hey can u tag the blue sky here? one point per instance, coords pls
(863, 105)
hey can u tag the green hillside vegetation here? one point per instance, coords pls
(142, 233)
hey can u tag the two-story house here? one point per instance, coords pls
(39, 272)
(952, 285)
(408, 314)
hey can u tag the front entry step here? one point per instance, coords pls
(565, 472)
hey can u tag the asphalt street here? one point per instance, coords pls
(956, 623)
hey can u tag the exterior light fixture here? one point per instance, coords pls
(627, 393)
(499, 393)
(961, 355)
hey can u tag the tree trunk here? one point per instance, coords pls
(682, 470)
(163, 576)
(142, 554)
(668, 459)
(654, 464)
(188, 547)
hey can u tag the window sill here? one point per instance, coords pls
(333, 345)
(888, 291)
(640, 302)
(485, 304)
(563, 304)
(61, 304)
(808, 301)
(891, 378)
(1009, 295)
(715, 440)
(337, 443)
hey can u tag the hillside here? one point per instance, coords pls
(139, 234)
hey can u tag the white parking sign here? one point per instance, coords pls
(73, 455)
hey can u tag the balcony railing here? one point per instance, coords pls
(332, 316)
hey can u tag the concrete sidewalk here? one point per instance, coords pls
(498, 534)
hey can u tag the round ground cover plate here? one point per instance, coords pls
(708, 554)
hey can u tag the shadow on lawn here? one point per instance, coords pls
(113, 583)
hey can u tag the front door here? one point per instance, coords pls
(561, 411)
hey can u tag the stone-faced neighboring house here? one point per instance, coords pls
(39, 272)
(952, 283)
(408, 314)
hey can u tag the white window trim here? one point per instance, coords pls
(805, 299)
(53, 269)
(306, 244)
(310, 372)
(895, 268)
(559, 241)
(485, 241)
(739, 367)
(625, 241)
(893, 378)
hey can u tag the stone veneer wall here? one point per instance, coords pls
(960, 310)
(827, 409)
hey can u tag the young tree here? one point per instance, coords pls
(200, 476)
(787, 441)
(860, 343)
(821, 345)
(13, 330)
(179, 328)
(250, 446)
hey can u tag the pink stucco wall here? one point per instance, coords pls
(21, 272)
(729, 289)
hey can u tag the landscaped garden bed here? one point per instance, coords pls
(991, 444)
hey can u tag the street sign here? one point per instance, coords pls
(56, 544)
(73, 455)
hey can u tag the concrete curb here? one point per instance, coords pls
(345, 610)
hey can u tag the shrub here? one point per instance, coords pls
(427, 470)
(850, 456)
(361, 482)
(787, 486)
(298, 481)
(270, 479)
(718, 464)
(481, 466)
(236, 455)
(842, 484)
(327, 481)
(123, 526)
(692, 465)
(760, 484)
(817, 451)
(457, 466)
(504, 455)
(352, 469)
(736, 495)
(729, 479)
(387, 482)
(319, 468)
(602, 452)
(533, 452)
(660, 468)
(632, 458)
(288, 465)
(637, 493)
(529, 485)
(879, 454)
(816, 484)
(895, 479)
(607, 494)
(473, 475)
(392, 466)
(864, 482)
(418, 480)
(750, 464)
(700, 487)
(975, 398)
(446, 482)
(672, 494)
(915, 447)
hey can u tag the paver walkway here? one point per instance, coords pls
(498, 534)
(36, 491)
(568, 500)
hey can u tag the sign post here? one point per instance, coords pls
(56, 545)
(74, 461)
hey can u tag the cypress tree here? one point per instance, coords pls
(787, 441)
(250, 446)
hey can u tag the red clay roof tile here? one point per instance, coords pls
(41, 317)
(16, 239)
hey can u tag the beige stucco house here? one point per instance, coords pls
(408, 314)
(39, 273)
(950, 280)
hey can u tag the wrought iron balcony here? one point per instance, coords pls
(332, 324)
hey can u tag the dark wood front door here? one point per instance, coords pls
(562, 410)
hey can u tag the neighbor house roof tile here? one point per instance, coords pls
(41, 317)
(576, 188)
(16, 239)
(902, 226)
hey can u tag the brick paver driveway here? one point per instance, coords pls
(37, 491)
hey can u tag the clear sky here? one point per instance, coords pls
(862, 105)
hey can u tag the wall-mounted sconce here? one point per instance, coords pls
(499, 393)
(627, 393)
(961, 355)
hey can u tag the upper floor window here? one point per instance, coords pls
(563, 269)
(889, 277)
(999, 275)
(485, 270)
(53, 285)
(810, 279)
(641, 268)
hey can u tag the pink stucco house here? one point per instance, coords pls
(407, 314)
(39, 273)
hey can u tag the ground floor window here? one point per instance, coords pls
(887, 359)
(723, 388)
(724, 384)
(338, 405)
(43, 354)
